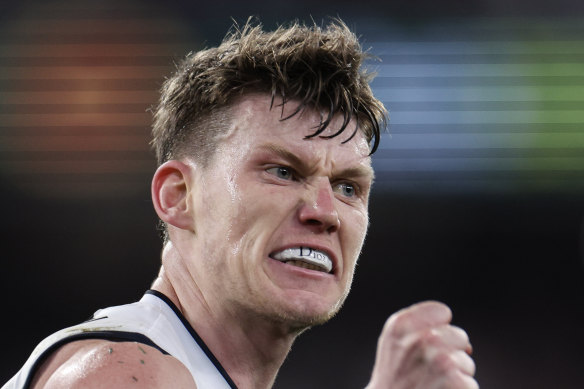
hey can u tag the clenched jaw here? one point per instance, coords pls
(305, 257)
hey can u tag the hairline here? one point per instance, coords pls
(228, 117)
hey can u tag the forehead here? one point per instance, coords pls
(256, 119)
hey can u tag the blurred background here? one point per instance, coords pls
(479, 199)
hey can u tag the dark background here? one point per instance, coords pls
(494, 229)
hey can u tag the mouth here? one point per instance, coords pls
(305, 257)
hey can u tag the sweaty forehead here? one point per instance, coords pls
(257, 110)
(259, 126)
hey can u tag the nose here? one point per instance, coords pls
(318, 210)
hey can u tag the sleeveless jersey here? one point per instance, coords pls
(155, 321)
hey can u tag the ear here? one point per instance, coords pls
(170, 190)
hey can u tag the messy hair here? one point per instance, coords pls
(317, 68)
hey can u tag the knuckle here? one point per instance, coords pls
(398, 325)
(457, 379)
(463, 381)
(428, 338)
(460, 333)
(464, 362)
(442, 362)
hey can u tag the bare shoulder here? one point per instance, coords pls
(105, 364)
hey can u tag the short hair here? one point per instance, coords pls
(320, 68)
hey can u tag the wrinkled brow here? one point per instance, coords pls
(355, 171)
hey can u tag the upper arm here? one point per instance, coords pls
(96, 364)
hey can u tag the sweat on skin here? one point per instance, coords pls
(270, 190)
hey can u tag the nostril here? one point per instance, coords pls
(334, 226)
(314, 222)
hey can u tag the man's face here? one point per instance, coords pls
(279, 220)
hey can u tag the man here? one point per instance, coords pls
(262, 188)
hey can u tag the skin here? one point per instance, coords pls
(265, 189)
(93, 364)
(419, 349)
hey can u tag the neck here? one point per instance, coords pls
(249, 347)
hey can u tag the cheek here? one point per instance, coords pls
(356, 225)
(245, 221)
(262, 214)
(220, 204)
(352, 241)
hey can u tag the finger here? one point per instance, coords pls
(450, 336)
(441, 359)
(418, 317)
(443, 362)
(460, 380)
(463, 362)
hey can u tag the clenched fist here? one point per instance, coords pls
(420, 349)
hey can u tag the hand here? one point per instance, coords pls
(420, 349)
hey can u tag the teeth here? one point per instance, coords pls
(304, 265)
(305, 257)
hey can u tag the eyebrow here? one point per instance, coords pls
(356, 171)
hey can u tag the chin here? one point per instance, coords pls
(302, 314)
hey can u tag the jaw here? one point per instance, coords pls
(302, 296)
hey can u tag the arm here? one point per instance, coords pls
(96, 364)
(420, 349)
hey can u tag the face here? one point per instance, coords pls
(279, 221)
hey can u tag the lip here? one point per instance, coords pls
(333, 257)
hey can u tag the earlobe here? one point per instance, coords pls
(170, 190)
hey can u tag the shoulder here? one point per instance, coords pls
(100, 363)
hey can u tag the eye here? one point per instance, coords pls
(285, 173)
(346, 189)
